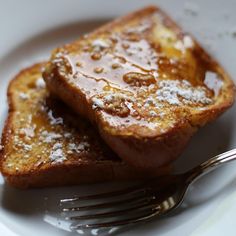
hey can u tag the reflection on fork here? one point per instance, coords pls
(137, 203)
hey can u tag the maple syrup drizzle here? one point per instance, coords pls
(130, 63)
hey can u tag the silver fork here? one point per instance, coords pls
(139, 203)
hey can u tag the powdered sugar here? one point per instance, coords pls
(171, 91)
(67, 134)
(186, 43)
(152, 113)
(27, 147)
(78, 148)
(145, 25)
(97, 103)
(40, 84)
(53, 120)
(57, 154)
(23, 96)
(28, 131)
(83, 145)
(109, 99)
(48, 137)
(99, 44)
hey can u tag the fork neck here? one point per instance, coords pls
(210, 165)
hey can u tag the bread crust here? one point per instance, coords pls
(140, 147)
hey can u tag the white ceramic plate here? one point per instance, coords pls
(30, 29)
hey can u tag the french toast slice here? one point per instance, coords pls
(145, 84)
(45, 144)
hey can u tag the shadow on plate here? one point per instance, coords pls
(209, 141)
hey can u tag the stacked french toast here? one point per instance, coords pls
(120, 103)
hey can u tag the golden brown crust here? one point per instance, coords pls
(72, 171)
(137, 144)
(6, 133)
(65, 175)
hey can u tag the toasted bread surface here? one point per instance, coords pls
(45, 144)
(145, 84)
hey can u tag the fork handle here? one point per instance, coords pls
(210, 165)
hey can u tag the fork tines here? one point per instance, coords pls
(142, 217)
(136, 204)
